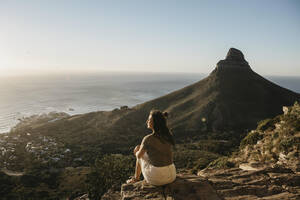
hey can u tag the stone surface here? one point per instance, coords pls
(184, 187)
(263, 183)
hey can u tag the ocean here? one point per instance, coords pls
(76, 94)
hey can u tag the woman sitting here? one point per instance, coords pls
(154, 155)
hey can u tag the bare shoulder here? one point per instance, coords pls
(148, 137)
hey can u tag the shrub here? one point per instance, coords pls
(110, 170)
(251, 139)
(202, 163)
(286, 144)
(30, 180)
(265, 124)
(222, 162)
(275, 135)
(293, 121)
(193, 158)
(6, 185)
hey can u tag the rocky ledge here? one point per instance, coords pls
(274, 183)
(263, 183)
(185, 186)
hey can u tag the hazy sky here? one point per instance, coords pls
(148, 35)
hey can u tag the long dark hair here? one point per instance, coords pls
(160, 126)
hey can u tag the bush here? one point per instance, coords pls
(110, 170)
(221, 162)
(202, 163)
(265, 124)
(193, 158)
(30, 180)
(286, 144)
(251, 139)
(6, 185)
(275, 135)
(292, 121)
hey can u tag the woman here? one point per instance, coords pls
(154, 155)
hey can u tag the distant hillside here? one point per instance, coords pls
(232, 98)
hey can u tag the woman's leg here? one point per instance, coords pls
(138, 169)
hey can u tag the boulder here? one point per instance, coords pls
(184, 187)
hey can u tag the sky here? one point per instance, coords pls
(45, 36)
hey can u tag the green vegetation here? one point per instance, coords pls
(38, 183)
(222, 162)
(7, 184)
(110, 170)
(279, 140)
(292, 117)
(265, 124)
(198, 154)
(286, 144)
(189, 159)
(58, 162)
(43, 182)
(251, 139)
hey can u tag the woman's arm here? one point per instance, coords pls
(141, 149)
(140, 152)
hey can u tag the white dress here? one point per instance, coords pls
(157, 175)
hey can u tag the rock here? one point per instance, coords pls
(83, 197)
(111, 194)
(265, 182)
(184, 187)
(273, 182)
(249, 167)
(285, 110)
(282, 196)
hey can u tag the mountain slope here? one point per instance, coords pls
(232, 98)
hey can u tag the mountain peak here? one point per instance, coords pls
(234, 59)
(235, 54)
